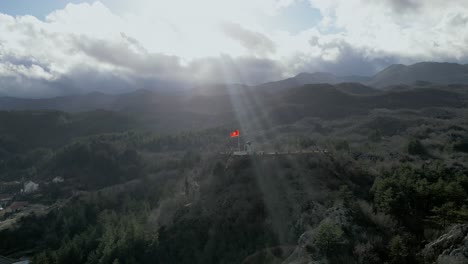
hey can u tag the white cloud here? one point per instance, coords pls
(409, 29)
(145, 42)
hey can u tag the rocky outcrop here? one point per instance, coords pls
(450, 248)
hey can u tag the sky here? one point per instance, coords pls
(57, 47)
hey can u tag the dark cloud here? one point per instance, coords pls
(129, 54)
(21, 60)
(30, 87)
(349, 60)
(404, 5)
(132, 68)
(459, 20)
(84, 80)
(253, 41)
(226, 69)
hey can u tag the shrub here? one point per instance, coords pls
(398, 249)
(328, 237)
(415, 147)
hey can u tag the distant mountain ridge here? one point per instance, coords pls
(433, 72)
(312, 78)
(70, 103)
(419, 74)
(167, 112)
(397, 74)
(202, 99)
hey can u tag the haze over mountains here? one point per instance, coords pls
(321, 95)
(397, 74)
(425, 73)
(438, 73)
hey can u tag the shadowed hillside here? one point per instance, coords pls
(335, 174)
(167, 112)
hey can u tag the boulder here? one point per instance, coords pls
(450, 248)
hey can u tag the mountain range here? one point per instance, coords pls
(321, 95)
(312, 78)
(419, 74)
(433, 72)
(426, 73)
(255, 109)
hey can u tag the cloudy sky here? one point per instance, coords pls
(55, 47)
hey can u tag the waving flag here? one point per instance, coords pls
(234, 133)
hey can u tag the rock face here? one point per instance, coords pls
(450, 248)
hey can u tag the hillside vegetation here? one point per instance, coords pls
(337, 178)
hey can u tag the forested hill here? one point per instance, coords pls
(169, 112)
(264, 209)
(336, 173)
(25, 130)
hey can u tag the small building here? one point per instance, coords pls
(249, 148)
(58, 179)
(4, 200)
(5, 260)
(16, 206)
(10, 187)
(30, 187)
(240, 153)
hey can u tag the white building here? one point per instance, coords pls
(58, 179)
(5, 260)
(30, 187)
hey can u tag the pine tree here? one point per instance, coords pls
(328, 237)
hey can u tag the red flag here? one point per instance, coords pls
(234, 133)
